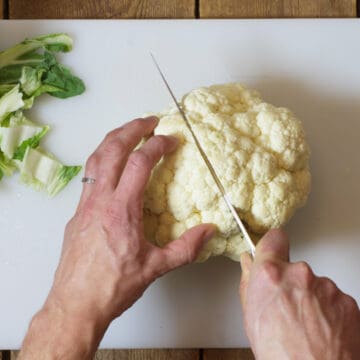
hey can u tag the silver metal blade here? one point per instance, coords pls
(221, 188)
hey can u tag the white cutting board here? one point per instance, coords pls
(311, 66)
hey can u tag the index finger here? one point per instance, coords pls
(274, 245)
(108, 161)
(118, 145)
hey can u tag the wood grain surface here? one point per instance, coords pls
(168, 354)
(276, 9)
(1, 17)
(100, 9)
(148, 354)
(143, 354)
(228, 354)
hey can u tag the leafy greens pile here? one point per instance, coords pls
(28, 70)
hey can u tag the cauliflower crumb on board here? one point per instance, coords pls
(258, 151)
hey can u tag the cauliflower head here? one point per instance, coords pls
(259, 153)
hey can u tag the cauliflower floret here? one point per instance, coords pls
(259, 153)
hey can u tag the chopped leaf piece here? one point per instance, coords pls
(28, 70)
(33, 64)
(32, 142)
(50, 77)
(6, 166)
(10, 102)
(64, 176)
(19, 135)
(42, 171)
(25, 53)
(5, 88)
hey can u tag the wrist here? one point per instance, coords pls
(58, 334)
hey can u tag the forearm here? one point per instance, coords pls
(55, 335)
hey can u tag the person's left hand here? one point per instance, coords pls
(106, 262)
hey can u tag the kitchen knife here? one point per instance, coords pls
(221, 188)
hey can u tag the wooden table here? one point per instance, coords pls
(117, 9)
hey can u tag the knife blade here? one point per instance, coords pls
(218, 183)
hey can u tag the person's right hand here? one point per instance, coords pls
(289, 313)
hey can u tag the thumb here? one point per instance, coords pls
(187, 247)
(246, 264)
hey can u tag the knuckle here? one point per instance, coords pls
(111, 134)
(185, 252)
(271, 272)
(190, 254)
(329, 286)
(161, 142)
(304, 273)
(92, 162)
(114, 147)
(139, 160)
(350, 303)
